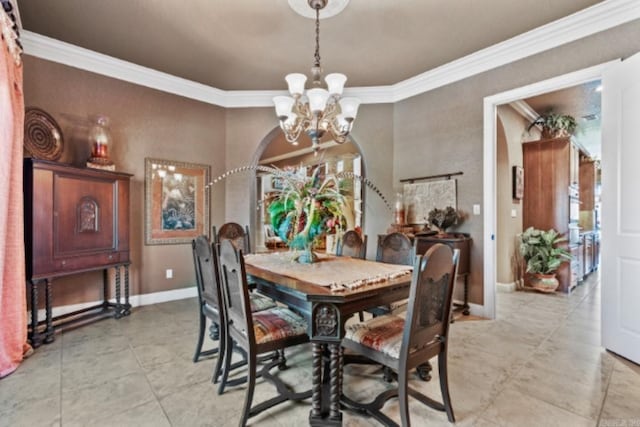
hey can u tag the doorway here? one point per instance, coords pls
(490, 164)
(542, 201)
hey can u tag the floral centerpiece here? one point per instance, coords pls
(305, 209)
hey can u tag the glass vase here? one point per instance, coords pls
(100, 140)
(306, 255)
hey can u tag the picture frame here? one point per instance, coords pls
(276, 182)
(518, 182)
(176, 201)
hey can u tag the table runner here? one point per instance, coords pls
(330, 271)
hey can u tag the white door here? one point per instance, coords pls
(621, 208)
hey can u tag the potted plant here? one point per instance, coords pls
(442, 219)
(543, 257)
(555, 125)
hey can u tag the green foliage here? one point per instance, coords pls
(443, 218)
(306, 208)
(555, 125)
(538, 248)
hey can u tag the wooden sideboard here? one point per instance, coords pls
(461, 241)
(76, 220)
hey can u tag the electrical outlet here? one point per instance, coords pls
(476, 209)
(514, 213)
(169, 273)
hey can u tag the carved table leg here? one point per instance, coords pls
(127, 306)
(49, 332)
(316, 378)
(118, 312)
(335, 381)
(35, 334)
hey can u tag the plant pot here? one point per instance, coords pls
(547, 283)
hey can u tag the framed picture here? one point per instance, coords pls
(176, 201)
(518, 182)
(276, 182)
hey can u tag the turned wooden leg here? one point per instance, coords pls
(424, 371)
(118, 312)
(335, 390)
(316, 378)
(35, 333)
(49, 333)
(465, 307)
(127, 306)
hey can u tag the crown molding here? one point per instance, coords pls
(592, 20)
(600, 17)
(524, 110)
(74, 56)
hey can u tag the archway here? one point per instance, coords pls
(274, 149)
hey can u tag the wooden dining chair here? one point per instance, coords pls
(394, 248)
(265, 331)
(352, 245)
(405, 343)
(233, 231)
(210, 298)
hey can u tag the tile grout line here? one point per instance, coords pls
(604, 397)
(146, 378)
(546, 339)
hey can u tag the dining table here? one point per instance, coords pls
(327, 293)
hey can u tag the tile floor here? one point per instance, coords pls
(538, 364)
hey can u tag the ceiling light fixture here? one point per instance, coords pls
(319, 110)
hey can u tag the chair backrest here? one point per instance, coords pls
(207, 272)
(235, 292)
(352, 245)
(395, 248)
(430, 299)
(233, 231)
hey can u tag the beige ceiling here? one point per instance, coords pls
(582, 102)
(252, 44)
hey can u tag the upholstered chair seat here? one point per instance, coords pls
(277, 323)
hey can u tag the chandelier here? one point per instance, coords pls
(318, 110)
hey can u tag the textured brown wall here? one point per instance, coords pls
(144, 123)
(441, 131)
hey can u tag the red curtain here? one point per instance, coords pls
(13, 310)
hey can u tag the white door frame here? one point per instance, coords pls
(489, 165)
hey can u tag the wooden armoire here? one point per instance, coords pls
(76, 220)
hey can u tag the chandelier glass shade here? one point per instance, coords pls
(318, 110)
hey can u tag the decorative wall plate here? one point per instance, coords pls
(42, 135)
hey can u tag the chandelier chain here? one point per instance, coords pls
(317, 54)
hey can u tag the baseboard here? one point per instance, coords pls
(135, 301)
(506, 287)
